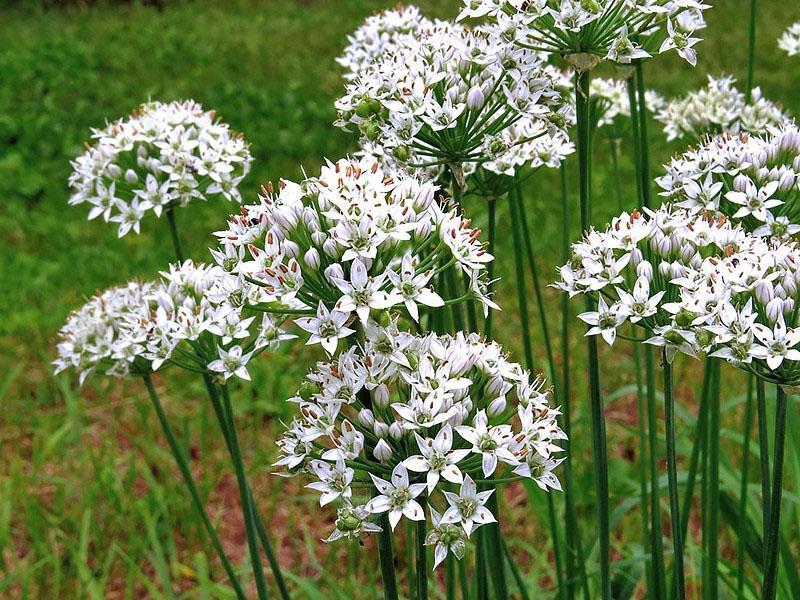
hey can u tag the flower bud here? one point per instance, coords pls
(395, 431)
(424, 197)
(330, 247)
(311, 259)
(380, 396)
(290, 248)
(494, 386)
(382, 452)
(788, 306)
(380, 429)
(774, 309)
(636, 258)
(475, 98)
(131, 176)
(787, 180)
(334, 271)
(366, 418)
(665, 270)
(319, 237)
(401, 153)
(764, 291)
(740, 182)
(789, 284)
(496, 406)
(645, 269)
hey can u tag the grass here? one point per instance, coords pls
(90, 502)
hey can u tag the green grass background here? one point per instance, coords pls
(90, 504)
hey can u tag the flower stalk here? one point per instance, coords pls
(772, 540)
(672, 477)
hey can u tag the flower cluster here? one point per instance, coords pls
(185, 318)
(754, 180)
(632, 267)
(719, 108)
(378, 34)
(610, 102)
(457, 97)
(587, 31)
(387, 424)
(162, 156)
(346, 243)
(742, 308)
(790, 40)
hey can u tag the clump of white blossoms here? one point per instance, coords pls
(754, 180)
(790, 40)
(449, 96)
(633, 265)
(742, 308)
(352, 241)
(388, 424)
(719, 108)
(611, 104)
(378, 34)
(184, 319)
(162, 156)
(586, 32)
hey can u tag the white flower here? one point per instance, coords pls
(777, 342)
(682, 42)
(397, 497)
(444, 537)
(231, 362)
(789, 41)
(490, 442)
(467, 507)
(639, 304)
(437, 458)
(362, 293)
(327, 328)
(334, 480)
(412, 287)
(604, 321)
(351, 523)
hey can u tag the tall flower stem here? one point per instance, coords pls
(644, 143)
(225, 426)
(672, 478)
(656, 541)
(751, 51)
(772, 546)
(699, 440)
(422, 558)
(748, 423)
(520, 236)
(575, 559)
(487, 328)
(641, 418)
(763, 449)
(635, 138)
(183, 467)
(173, 230)
(245, 498)
(600, 454)
(386, 555)
(711, 589)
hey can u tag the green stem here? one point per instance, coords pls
(600, 454)
(260, 529)
(748, 423)
(494, 548)
(386, 555)
(770, 586)
(450, 577)
(490, 267)
(523, 589)
(422, 558)
(751, 52)
(672, 477)
(635, 139)
(763, 449)
(245, 498)
(699, 440)
(642, 424)
(644, 144)
(173, 230)
(711, 592)
(656, 541)
(462, 579)
(183, 467)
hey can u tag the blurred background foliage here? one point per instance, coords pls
(90, 504)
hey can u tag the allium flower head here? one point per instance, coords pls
(137, 329)
(347, 245)
(435, 415)
(586, 32)
(789, 41)
(752, 180)
(719, 108)
(453, 96)
(162, 156)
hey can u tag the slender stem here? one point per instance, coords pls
(751, 52)
(494, 549)
(260, 529)
(245, 498)
(644, 508)
(450, 577)
(386, 555)
(672, 477)
(635, 138)
(644, 145)
(422, 558)
(656, 541)
(183, 467)
(699, 440)
(748, 423)
(763, 449)
(711, 592)
(769, 589)
(490, 267)
(600, 454)
(523, 589)
(173, 230)
(462, 580)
